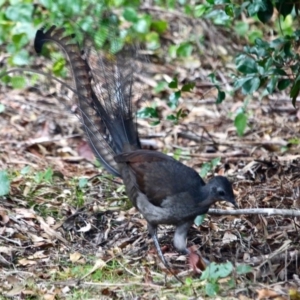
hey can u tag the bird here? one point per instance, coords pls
(163, 190)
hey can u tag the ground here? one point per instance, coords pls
(65, 237)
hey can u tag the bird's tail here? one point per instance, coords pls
(104, 89)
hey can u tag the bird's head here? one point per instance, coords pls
(220, 189)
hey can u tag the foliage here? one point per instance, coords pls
(172, 102)
(46, 176)
(209, 166)
(214, 272)
(268, 65)
(4, 183)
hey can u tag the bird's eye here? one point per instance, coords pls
(221, 193)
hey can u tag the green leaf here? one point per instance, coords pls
(243, 269)
(100, 36)
(246, 64)
(240, 123)
(188, 87)
(266, 11)
(294, 141)
(238, 83)
(211, 289)
(48, 175)
(82, 183)
(180, 114)
(200, 10)
(215, 271)
(283, 84)
(152, 40)
(278, 43)
(4, 183)
(25, 170)
(172, 51)
(171, 4)
(272, 84)
(253, 8)
(224, 270)
(130, 14)
(214, 162)
(221, 96)
(143, 24)
(278, 71)
(171, 118)
(21, 58)
(116, 45)
(38, 178)
(295, 91)
(251, 85)
(148, 112)
(161, 86)
(199, 220)
(159, 26)
(212, 77)
(189, 9)
(205, 169)
(58, 67)
(18, 82)
(229, 10)
(284, 7)
(86, 23)
(173, 84)
(184, 50)
(20, 12)
(174, 99)
(154, 123)
(241, 28)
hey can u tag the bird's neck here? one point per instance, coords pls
(205, 200)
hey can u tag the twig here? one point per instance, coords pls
(256, 211)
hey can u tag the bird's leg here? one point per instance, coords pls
(180, 237)
(196, 260)
(152, 229)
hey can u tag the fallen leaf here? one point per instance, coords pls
(99, 264)
(228, 237)
(74, 257)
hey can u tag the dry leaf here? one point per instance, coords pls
(85, 228)
(228, 237)
(4, 218)
(26, 262)
(50, 231)
(267, 293)
(74, 257)
(25, 213)
(99, 264)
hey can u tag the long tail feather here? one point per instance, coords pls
(103, 86)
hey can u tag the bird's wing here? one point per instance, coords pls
(159, 176)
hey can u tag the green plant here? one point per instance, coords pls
(214, 272)
(172, 102)
(4, 183)
(270, 65)
(45, 176)
(209, 166)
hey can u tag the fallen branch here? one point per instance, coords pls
(256, 211)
